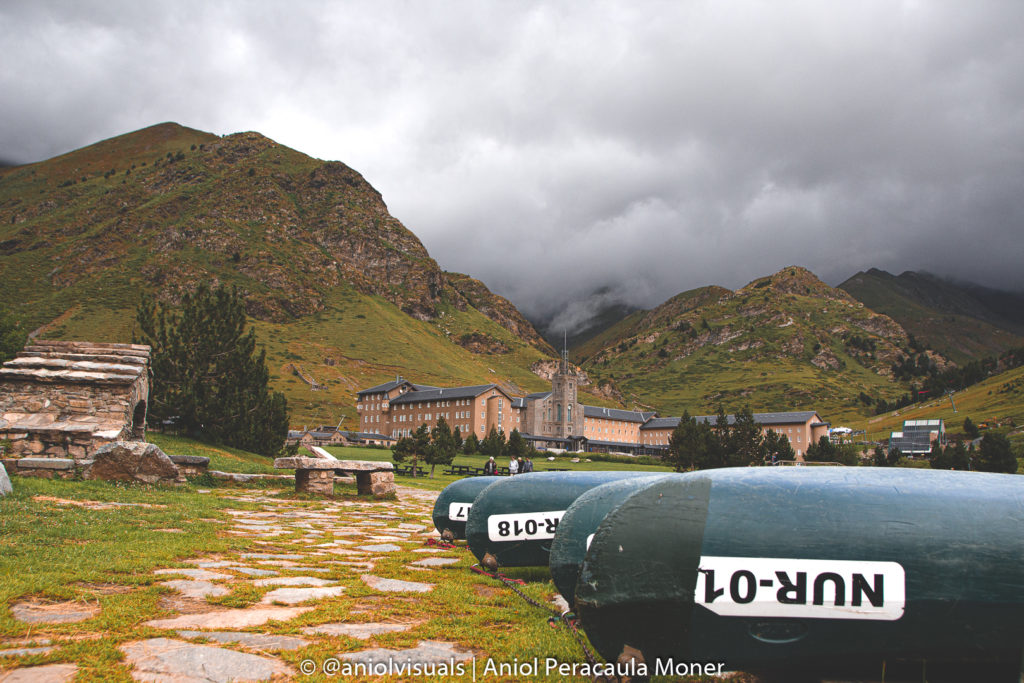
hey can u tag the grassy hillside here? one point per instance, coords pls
(338, 290)
(783, 342)
(953, 319)
(998, 400)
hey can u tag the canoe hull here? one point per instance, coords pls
(836, 570)
(451, 509)
(515, 519)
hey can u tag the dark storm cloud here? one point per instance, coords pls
(555, 151)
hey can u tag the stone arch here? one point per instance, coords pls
(139, 421)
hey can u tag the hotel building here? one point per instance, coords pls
(550, 419)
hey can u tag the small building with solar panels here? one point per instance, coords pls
(917, 436)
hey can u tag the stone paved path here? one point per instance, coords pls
(295, 579)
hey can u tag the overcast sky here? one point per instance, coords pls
(552, 149)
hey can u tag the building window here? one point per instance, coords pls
(559, 412)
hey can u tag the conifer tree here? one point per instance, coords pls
(441, 450)
(517, 445)
(412, 447)
(471, 445)
(208, 382)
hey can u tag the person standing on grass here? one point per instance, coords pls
(490, 467)
(513, 466)
(527, 465)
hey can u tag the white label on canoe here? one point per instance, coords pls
(523, 526)
(589, 539)
(459, 512)
(811, 589)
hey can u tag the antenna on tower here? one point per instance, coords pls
(565, 351)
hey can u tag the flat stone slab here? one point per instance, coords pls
(189, 459)
(50, 673)
(268, 556)
(293, 596)
(251, 571)
(196, 589)
(360, 631)
(46, 464)
(395, 586)
(426, 652)
(293, 581)
(22, 651)
(199, 574)
(235, 618)
(435, 561)
(377, 548)
(57, 613)
(324, 464)
(256, 641)
(163, 660)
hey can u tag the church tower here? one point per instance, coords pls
(567, 411)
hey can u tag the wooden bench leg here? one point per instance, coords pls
(375, 483)
(318, 482)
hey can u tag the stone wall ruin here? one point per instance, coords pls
(67, 399)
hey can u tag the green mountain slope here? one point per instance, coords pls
(962, 322)
(783, 342)
(341, 293)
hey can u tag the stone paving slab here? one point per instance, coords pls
(196, 589)
(426, 652)
(23, 651)
(50, 673)
(235, 618)
(254, 572)
(201, 574)
(395, 586)
(256, 641)
(293, 596)
(436, 561)
(57, 613)
(379, 548)
(360, 631)
(164, 661)
(293, 581)
(270, 556)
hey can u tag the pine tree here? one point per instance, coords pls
(412, 447)
(996, 455)
(441, 450)
(746, 443)
(493, 444)
(517, 445)
(471, 445)
(777, 447)
(208, 381)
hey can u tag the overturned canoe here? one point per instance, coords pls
(837, 571)
(451, 509)
(577, 527)
(514, 519)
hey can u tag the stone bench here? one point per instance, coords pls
(316, 475)
(190, 465)
(46, 468)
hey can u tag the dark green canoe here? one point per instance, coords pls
(579, 523)
(833, 571)
(514, 519)
(451, 509)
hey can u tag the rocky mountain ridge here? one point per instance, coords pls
(166, 206)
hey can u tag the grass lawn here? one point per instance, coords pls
(56, 545)
(440, 479)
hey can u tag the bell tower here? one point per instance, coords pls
(568, 413)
